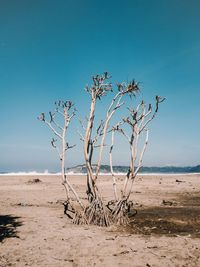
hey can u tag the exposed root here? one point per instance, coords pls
(68, 209)
(79, 218)
(119, 212)
(122, 213)
(96, 213)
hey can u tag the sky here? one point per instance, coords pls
(49, 50)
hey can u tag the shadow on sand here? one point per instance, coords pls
(183, 219)
(8, 226)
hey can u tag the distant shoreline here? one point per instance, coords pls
(118, 170)
(103, 174)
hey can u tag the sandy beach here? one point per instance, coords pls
(35, 232)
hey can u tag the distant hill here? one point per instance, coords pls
(195, 169)
(117, 169)
(124, 169)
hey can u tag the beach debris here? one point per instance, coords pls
(60, 201)
(122, 253)
(69, 260)
(167, 202)
(24, 204)
(34, 181)
(150, 247)
(179, 181)
(110, 238)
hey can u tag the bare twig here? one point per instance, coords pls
(67, 111)
(137, 120)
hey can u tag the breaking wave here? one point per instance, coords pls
(118, 170)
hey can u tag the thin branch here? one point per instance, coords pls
(81, 123)
(53, 129)
(111, 167)
(81, 136)
(142, 154)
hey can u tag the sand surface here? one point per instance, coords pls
(35, 232)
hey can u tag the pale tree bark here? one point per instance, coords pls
(67, 112)
(100, 88)
(137, 120)
(111, 167)
(96, 211)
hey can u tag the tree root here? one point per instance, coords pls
(79, 218)
(72, 213)
(96, 213)
(68, 209)
(117, 212)
(122, 213)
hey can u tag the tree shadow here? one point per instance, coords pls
(8, 226)
(182, 219)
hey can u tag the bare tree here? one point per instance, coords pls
(138, 121)
(65, 110)
(96, 212)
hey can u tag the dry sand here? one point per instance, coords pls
(35, 232)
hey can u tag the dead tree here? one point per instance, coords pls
(65, 110)
(96, 212)
(138, 120)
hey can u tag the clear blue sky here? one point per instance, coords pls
(49, 50)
